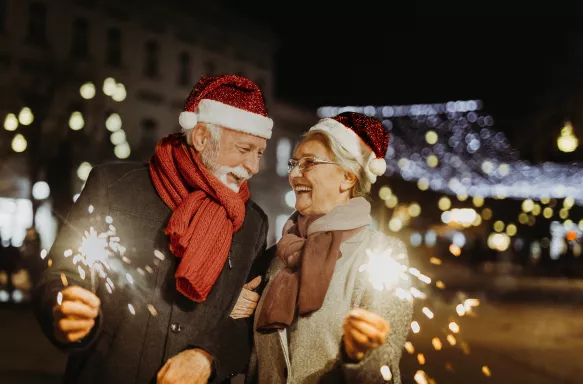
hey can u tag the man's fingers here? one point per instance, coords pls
(76, 293)
(71, 337)
(76, 309)
(163, 371)
(253, 283)
(71, 325)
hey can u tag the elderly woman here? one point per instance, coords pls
(319, 319)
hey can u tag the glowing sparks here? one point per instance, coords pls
(409, 347)
(454, 327)
(384, 272)
(436, 344)
(421, 377)
(451, 340)
(159, 255)
(131, 308)
(59, 298)
(421, 359)
(152, 310)
(129, 278)
(43, 254)
(428, 312)
(386, 373)
(460, 309)
(64, 280)
(90, 209)
(415, 327)
(440, 284)
(50, 263)
(435, 261)
(470, 303)
(486, 371)
(93, 247)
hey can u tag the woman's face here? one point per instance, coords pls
(322, 187)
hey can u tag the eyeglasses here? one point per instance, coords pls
(306, 163)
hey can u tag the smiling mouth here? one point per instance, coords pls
(302, 189)
(237, 179)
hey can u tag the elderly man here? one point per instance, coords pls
(194, 237)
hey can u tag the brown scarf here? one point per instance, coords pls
(205, 215)
(309, 249)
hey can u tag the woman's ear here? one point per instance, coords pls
(348, 182)
(200, 137)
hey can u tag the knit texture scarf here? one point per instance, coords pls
(205, 214)
(309, 249)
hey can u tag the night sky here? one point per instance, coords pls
(517, 59)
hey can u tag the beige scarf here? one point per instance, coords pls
(309, 249)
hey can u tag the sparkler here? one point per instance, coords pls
(102, 253)
(386, 272)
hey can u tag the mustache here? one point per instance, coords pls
(238, 171)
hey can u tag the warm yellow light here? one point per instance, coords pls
(19, 143)
(432, 161)
(10, 122)
(431, 137)
(385, 192)
(444, 203)
(414, 210)
(87, 91)
(567, 142)
(25, 116)
(76, 121)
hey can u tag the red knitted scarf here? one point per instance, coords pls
(205, 214)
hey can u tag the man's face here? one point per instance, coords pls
(235, 158)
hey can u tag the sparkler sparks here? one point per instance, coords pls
(103, 255)
(386, 274)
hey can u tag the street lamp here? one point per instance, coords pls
(567, 142)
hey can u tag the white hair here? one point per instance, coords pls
(345, 160)
(214, 130)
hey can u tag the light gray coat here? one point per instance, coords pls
(310, 350)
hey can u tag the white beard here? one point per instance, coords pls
(222, 171)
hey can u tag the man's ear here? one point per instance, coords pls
(348, 182)
(200, 136)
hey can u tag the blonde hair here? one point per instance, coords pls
(345, 160)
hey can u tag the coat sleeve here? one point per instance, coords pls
(89, 210)
(398, 313)
(238, 331)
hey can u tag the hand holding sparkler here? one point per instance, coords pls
(75, 313)
(363, 330)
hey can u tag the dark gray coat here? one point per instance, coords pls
(126, 348)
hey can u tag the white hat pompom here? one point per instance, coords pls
(377, 166)
(187, 120)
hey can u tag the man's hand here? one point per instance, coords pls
(247, 300)
(363, 331)
(193, 366)
(74, 318)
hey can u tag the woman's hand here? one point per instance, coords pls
(247, 301)
(363, 331)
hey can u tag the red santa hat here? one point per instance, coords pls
(230, 101)
(362, 136)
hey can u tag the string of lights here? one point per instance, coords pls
(453, 148)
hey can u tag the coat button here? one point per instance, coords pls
(175, 327)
